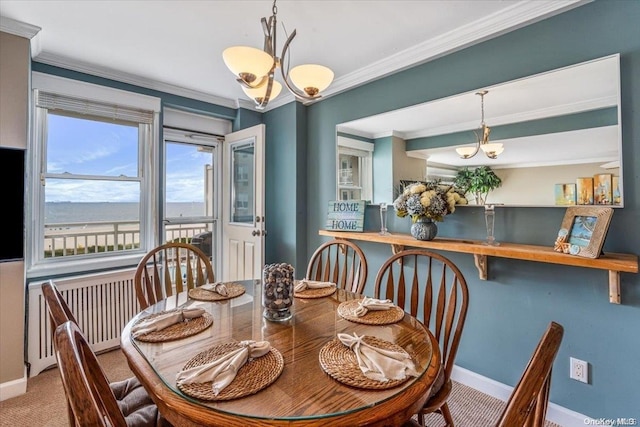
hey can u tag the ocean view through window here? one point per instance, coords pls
(91, 191)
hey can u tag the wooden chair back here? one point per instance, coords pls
(85, 383)
(341, 262)
(529, 400)
(169, 269)
(59, 313)
(431, 288)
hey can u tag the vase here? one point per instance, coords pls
(277, 291)
(424, 229)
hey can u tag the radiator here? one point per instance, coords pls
(102, 303)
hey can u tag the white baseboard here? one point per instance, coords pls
(13, 388)
(555, 413)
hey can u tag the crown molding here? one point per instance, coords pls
(120, 76)
(18, 28)
(517, 16)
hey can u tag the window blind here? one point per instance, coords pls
(52, 101)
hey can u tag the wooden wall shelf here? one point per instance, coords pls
(615, 263)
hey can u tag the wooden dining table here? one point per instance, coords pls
(303, 394)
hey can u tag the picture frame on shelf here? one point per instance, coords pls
(565, 194)
(583, 231)
(602, 193)
(584, 191)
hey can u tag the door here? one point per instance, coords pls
(243, 204)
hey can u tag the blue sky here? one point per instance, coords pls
(99, 148)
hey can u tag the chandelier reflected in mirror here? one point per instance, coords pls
(490, 149)
(255, 69)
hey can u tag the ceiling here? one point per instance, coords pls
(176, 46)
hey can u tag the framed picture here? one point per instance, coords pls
(615, 190)
(583, 231)
(584, 191)
(602, 189)
(565, 194)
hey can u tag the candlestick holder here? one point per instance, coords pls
(383, 219)
(489, 216)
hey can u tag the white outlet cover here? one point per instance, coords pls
(578, 370)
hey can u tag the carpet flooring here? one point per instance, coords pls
(44, 403)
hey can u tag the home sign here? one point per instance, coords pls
(345, 215)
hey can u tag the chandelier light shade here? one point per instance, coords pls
(255, 69)
(258, 94)
(247, 63)
(311, 78)
(490, 149)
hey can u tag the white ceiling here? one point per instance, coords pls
(176, 46)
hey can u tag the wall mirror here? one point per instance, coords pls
(558, 129)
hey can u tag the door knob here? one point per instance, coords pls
(255, 233)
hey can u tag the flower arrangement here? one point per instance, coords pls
(427, 200)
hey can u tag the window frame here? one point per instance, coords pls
(36, 264)
(364, 152)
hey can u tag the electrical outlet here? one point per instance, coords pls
(579, 370)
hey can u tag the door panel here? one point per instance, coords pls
(243, 204)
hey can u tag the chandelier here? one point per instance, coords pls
(490, 149)
(255, 69)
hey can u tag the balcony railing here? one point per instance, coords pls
(68, 239)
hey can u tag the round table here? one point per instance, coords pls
(304, 394)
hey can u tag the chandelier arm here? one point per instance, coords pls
(285, 74)
(264, 80)
(265, 100)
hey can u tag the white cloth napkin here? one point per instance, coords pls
(377, 363)
(223, 370)
(165, 320)
(372, 304)
(305, 284)
(219, 288)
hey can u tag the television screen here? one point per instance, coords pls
(12, 196)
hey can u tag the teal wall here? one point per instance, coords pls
(285, 186)
(509, 312)
(382, 168)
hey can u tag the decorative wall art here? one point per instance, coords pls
(565, 194)
(615, 190)
(584, 191)
(602, 194)
(583, 231)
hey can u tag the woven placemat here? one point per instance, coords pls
(233, 290)
(340, 362)
(316, 293)
(347, 310)
(252, 377)
(178, 330)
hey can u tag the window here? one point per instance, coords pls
(354, 169)
(91, 186)
(192, 176)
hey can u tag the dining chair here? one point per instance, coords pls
(433, 289)
(128, 393)
(341, 262)
(169, 269)
(91, 398)
(527, 405)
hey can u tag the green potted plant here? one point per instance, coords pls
(479, 181)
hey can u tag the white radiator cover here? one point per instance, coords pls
(103, 303)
